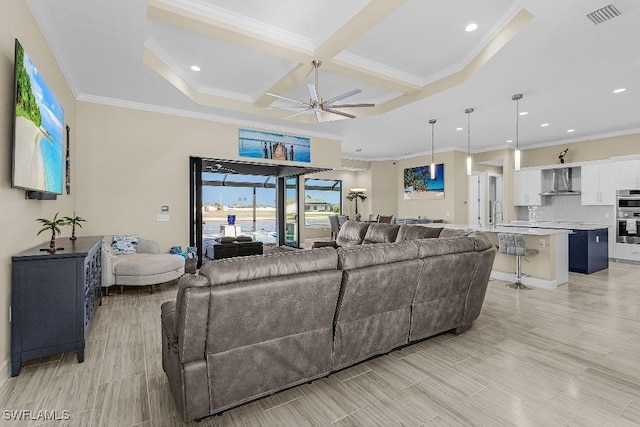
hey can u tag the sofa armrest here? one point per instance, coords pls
(192, 316)
(168, 317)
(108, 278)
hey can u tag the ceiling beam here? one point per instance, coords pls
(508, 32)
(212, 26)
(355, 28)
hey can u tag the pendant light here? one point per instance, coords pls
(432, 168)
(468, 111)
(517, 97)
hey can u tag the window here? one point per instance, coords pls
(323, 197)
(250, 198)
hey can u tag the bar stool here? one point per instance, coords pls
(513, 244)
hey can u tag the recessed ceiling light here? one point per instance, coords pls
(358, 150)
(544, 125)
(619, 90)
(195, 68)
(471, 27)
(509, 140)
(524, 113)
(458, 128)
(571, 130)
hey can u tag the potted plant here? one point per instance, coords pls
(75, 220)
(53, 226)
(355, 194)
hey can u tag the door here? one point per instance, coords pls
(291, 212)
(474, 201)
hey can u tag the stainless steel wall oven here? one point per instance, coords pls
(628, 216)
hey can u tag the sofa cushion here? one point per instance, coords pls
(414, 232)
(452, 245)
(367, 255)
(352, 233)
(242, 269)
(146, 264)
(453, 232)
(125, 244)
(225, 239)
(381, 233)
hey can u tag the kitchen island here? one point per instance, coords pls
(547, 269)
(588, 243)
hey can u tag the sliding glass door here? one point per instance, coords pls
(291, 212)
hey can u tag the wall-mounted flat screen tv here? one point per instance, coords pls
(38, 138)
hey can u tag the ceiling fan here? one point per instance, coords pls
(218, 168)
(317, 105)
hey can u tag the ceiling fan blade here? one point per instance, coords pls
(298, 113)
(295, 101)
(319, 116)
(289, 107)
(343, 96)
(340, 113)
(350, 105)
(313, 92)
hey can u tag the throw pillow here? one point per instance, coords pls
(107, 250)
(125, 244)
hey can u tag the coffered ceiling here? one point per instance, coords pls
(412, 58)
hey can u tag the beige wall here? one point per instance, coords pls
(595, 149)
(17, 214)
(453, 208)
(133, 162)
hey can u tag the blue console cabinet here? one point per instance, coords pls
(53, 298)
(589, 250)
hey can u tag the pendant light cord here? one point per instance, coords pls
(518, 124)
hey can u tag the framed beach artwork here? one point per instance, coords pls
(418, 184)
(275, 146)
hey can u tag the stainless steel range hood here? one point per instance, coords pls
(562, 183)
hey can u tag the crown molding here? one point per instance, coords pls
(112, 102)
(460, 65)
(239, 22)
(584, 138)
(154, 47)
(49, 33)
(357, 61)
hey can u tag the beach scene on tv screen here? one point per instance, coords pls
(38, 147)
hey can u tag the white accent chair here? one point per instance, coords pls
(147, 267)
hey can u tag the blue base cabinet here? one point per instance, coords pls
(589, 250)
(53, 298)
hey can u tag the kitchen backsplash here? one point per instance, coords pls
(567, 208)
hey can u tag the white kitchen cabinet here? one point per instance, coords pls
(628, 252)
(527, 186)
(628, 174)
(598, 184)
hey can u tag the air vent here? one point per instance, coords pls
(604, 14)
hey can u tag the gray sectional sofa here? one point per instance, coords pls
(247, 327)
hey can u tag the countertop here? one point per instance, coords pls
(532, 231)
(556, 225)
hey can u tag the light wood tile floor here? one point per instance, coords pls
(570, 356)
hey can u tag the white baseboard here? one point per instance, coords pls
(529, 281)
(5, 372)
